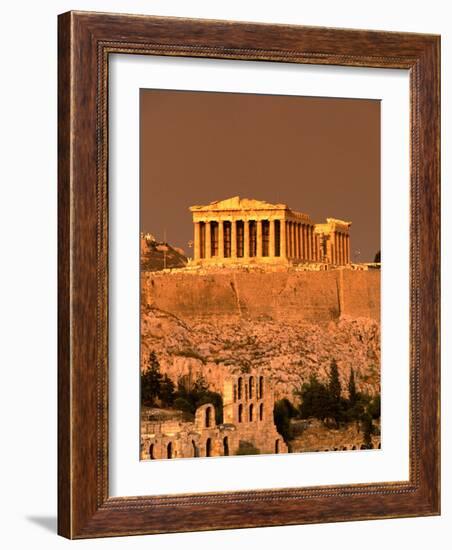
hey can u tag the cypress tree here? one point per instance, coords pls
(368, 430)
(334, 384)
(352, 395)
(151, 381)
(334, 390)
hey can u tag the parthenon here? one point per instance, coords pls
(239, 230)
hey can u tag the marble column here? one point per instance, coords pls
(336, 248)
(246, 239)
(282, 239)
(292, 239)
(208, 243)
(233, 239)
(347, 241)
(259, 238)
(289, 249)
(305, 242)
(296, 239)
(220, 239)
(197, 241)
(343, 249)
(332, 247)
(271, 239)
(300, 241)
(312, 243)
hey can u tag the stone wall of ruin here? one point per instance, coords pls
(318, 438)
(315, 296)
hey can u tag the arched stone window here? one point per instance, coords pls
(240, 412)
(240, 389)
(225, 446)
(261, 387)
(208, 416)
(235, 393)
(261, 411)
(169, 450)
(251, 384)
(277, 446)
(209, 447)
(195, 448)
(151, 451)
(251, 412)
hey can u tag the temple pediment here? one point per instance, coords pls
(237, 203)
(241, 230)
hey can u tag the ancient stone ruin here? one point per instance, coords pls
(247, 423)
(238, 230)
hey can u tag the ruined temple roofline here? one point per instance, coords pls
(236, 230)
(250, 208)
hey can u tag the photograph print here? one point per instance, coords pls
(260, 271)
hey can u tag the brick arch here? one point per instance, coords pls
(208, 446)
(240, 413)
(240, 388)
(250, 387)
(208, 417)
(225, 446)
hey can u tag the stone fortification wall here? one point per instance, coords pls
(313, 296)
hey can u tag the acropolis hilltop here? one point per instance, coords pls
(248, 231)
(269, 299)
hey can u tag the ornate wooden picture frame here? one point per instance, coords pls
(86, 40)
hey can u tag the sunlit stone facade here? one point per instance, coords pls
(248, 403)
(239, 230)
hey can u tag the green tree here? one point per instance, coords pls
(151, 380)
(334, 389)
(368, 430)
(334, 384)
(283, 411)
(166, 393)
(191, 395)
(374, 407)
(182, 404)
(352, 394)
(377, 258)
(315, 399)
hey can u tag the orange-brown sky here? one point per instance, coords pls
(318, 155)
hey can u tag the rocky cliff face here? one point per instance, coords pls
(288, 350)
